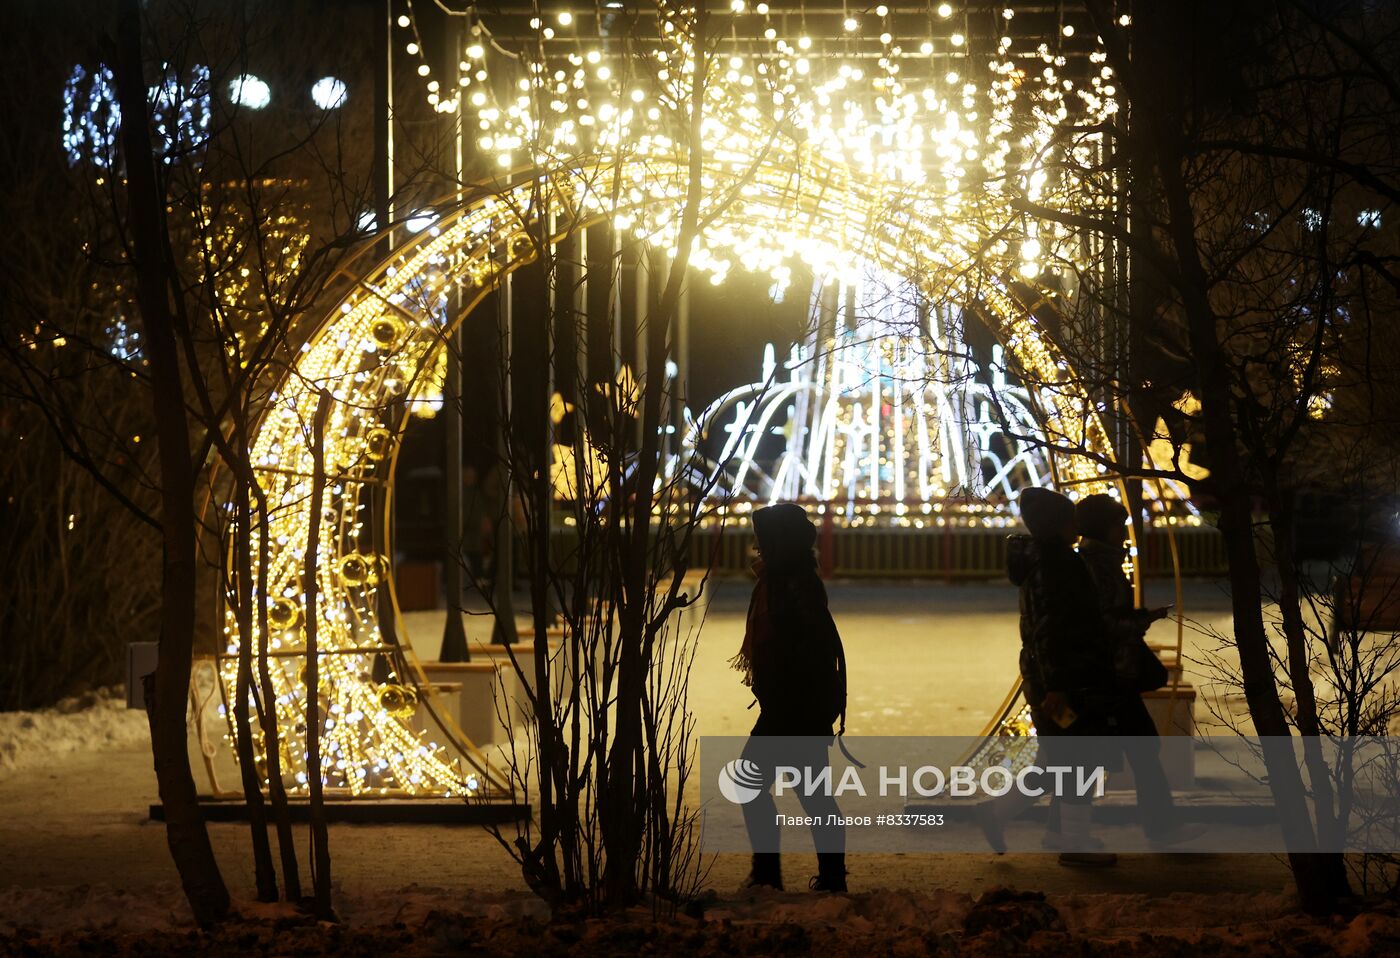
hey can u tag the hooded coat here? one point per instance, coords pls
(797, 666)
(1064, 644)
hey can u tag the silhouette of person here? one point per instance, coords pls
(793, 661)
(1066, 670)
(1100, 520)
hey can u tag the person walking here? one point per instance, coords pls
(1100, 520)
(1066, 670)
(793, 661)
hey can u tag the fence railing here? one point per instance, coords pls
(945, 553)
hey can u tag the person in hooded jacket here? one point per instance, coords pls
(793, 661)
(1100, 520)
(1066, 669)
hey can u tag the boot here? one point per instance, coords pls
(1079, 845)
(766, 871)
(993, 814)
(831, 872)
(990, 822)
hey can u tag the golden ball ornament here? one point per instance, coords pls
(387, 331)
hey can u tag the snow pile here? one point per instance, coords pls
(92, 722)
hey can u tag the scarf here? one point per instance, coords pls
(757, 628)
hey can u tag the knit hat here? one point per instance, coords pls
(785, 537)
(1100, 517)
(1044, 511)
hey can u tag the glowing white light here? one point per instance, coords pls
(328, 93)
(420, 221)
(249, 91)
(945, 10)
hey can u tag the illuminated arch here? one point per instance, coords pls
(369, 350)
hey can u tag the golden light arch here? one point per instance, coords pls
(370, 349)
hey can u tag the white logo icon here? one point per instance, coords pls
(741, 781)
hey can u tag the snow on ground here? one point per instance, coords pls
(421, 920)
(93, 722)
(81, 859)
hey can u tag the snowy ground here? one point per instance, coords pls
(925, 659)
(96, 722)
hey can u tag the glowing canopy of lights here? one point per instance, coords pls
(803, 158)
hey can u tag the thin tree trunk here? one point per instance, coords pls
(1316, 890)
(1330, 864)
(558, 831)
(272, 734)
(320, 847)
(244, 597)
(185, 830)
(627, 762)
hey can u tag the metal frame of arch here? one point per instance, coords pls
(371, 348)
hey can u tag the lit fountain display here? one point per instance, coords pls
(882, 412)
